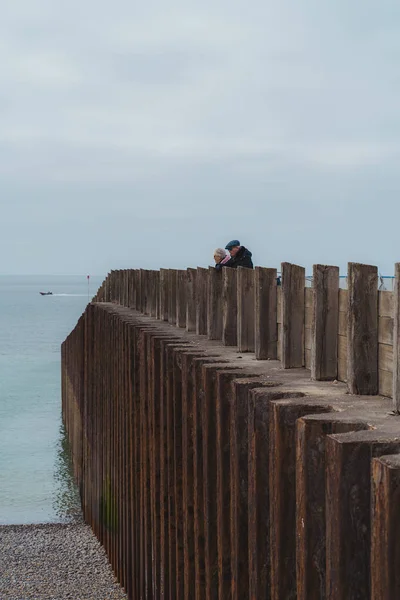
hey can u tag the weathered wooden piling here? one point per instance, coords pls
(265, 313)
(172, 288)
(396, 341)
(293, 281)
(324, 329)
(245, 309)
(181, 299)
(348, 510)
(214, 304)
(310, 498)
(385, 527)
(201, 301)
(191, 300)
(362, 329)
(284, 414)
(229, 307)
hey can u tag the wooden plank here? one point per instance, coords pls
(385, 383)
(342, 323)
(342, 358)
(342, 346)
(245, 309)
(311, 432)
(396, 340)
(362, 329)
(279, 344)
(307, 358)
(229, 306)
(348, 511)
(265, 306)
(214, 308)
(157, 284)
(307, 339)
(343, 300)
(385, 330)
(293, 277)
(385, 527)
(324, 341)
(191, 300)
(172, 287)
(342, 370)
(181, 298)
(241, 411)
(282, 484)
(279, 304)
(385, 357)
(386, 304)
(201, 300)
(308, 317)
(308, 297)
(164, 306)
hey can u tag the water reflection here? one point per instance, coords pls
(66, 504)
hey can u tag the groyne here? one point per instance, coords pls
(228, 443)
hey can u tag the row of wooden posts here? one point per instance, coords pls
(246, 308)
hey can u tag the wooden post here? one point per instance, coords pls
(150, 292)
(245, 304)
(137, 289)
(396, 340)
(131, 284)
(201, 301)
(188, 470)
(181, 303)
(142, 290)
(265, 327)
(293, 282)
(282, 485)
(240, 403)
(229, 306)
(172, 296)
(126, 288)
(147, 274)
(324, 327)
(191, 300)
(214, 304)
(153, 294)
(157, 292)
(145, 291)
(385, 527)
(122, 296)
(311, 432)
(164, 277)
(362, 329)
(146, 288)
(348, 510)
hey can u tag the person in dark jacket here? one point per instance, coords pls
(240, 256)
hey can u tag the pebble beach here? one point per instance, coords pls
(54, 562)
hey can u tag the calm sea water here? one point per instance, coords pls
(35, 480)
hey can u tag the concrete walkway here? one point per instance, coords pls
(54, 562)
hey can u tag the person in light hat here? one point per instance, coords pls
(220, 256)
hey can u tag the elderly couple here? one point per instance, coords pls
(238, 256)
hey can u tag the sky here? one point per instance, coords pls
(147, 134)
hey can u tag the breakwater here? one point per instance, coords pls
(212, 463)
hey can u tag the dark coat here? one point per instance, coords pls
(242, 259)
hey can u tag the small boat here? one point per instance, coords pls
(46, 293)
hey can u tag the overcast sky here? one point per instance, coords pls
(147, 134)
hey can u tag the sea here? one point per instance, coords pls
(36, 483)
